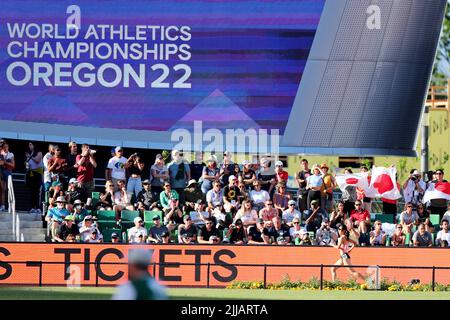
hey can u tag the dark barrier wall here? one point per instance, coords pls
(102, 264)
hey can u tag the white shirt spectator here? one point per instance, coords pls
(289, 215)
(446, 216)
(411, 194)
(85, 233)
(260, 196)
(246, 217)
(441, 235)
(47, 174)
(133, 234)
(117, 167)
(294, 233)
(122, 200)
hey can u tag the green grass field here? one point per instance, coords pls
(63, 293)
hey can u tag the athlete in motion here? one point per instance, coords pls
(345, 245)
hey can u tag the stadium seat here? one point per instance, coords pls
(408, 240)
(127, 217)
(95, 198)
(384, 218)
(388, 241)
(108, 232)
(148, 217)
(106, 219)
(435, 221)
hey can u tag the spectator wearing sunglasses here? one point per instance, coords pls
(208, 234)
(408, 218)
(258, 196)
(398, 238)
(268, 213)
(377, 236)
(291, 213)
(296, 230)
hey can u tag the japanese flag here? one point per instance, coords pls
(359, 180)
(383, 184)
(440, 190)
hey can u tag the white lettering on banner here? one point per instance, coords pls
(38, 45)
(374, 20)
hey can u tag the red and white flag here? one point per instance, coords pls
(383, 184)
(358, 180)
(439, 190)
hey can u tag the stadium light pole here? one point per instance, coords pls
(424, 141)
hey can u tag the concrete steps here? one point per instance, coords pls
(31, 227)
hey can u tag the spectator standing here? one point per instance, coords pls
(71, 160)
(74, 193)
(267, 176)
(47, 174)
(117, 165)
(329, 183)
(57, 166)
(159, 174)
(314, 185)
(281, 175)
(414, 188)
(33, 177)
(196, 166)
(301, 178)
(248, 175)
(438, 206)
(85, 165)
(179, 173)
(422, 238)
(210, 174)
(7, 165)
(135, 170)
(361, 195)
(226, 168)
(349, 195)
(390, 205)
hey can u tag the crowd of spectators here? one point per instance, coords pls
(211, 202)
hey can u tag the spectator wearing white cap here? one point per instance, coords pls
(117, 165)
(74, 193)
(414, 188)
(248, 175)
(159, 174)
(210, 174)
(227, 167)
(179, 173)
(136, 231)
(87, 228)
(281, 175)
(141, 285)
(231, 195)
(258, 196)
(291, 213)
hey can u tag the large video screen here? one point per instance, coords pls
(154, 65)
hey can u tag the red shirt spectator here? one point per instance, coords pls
(281, 175)
(85, 171)
(360, 215)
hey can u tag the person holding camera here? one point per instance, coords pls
(85, 165)
(135, 171)
(326, 235)
(414, 188)
(236, 233)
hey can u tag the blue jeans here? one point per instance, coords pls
(134, 185)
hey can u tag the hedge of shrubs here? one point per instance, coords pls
(350, 285)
